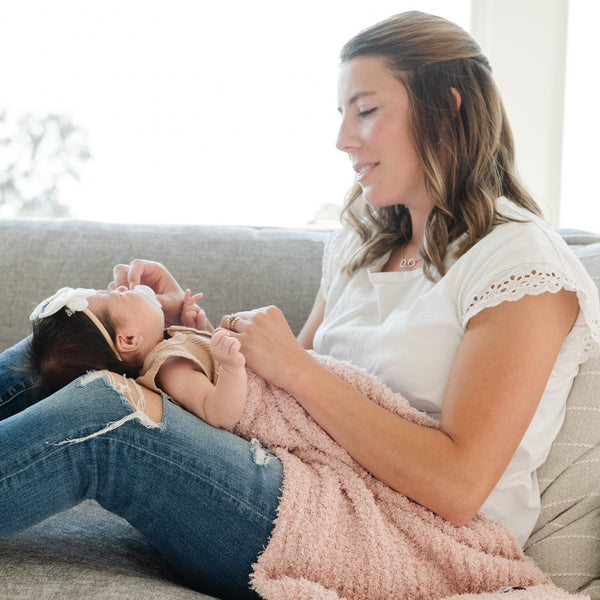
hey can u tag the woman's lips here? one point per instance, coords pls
(363, 170)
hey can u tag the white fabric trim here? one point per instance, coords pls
(584, 339)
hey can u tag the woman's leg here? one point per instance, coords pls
(17, 386)
(204, 497)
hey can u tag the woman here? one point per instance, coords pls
(444, 283)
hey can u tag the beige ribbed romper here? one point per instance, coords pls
(183, 342)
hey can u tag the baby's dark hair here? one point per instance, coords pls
(64, 347)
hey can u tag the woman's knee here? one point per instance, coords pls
(142, 399)
(99, 402)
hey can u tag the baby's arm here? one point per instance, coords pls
(227, 400)
(220, 405)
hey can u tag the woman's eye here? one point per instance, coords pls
(366, 113)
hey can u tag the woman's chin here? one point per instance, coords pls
(377, 201)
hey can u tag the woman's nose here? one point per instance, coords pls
(346, 138)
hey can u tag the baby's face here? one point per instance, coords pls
(137, 309)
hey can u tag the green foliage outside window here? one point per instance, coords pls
(39, 154)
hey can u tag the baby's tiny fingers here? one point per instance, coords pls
(218, 334)
(234, 345)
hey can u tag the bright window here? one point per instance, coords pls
(580, 205)
(205, 112)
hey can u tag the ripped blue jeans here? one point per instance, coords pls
(205, 498)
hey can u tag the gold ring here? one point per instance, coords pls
(232, 320)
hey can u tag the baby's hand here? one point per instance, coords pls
(226, 349)
(191, 314)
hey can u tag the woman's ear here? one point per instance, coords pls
(457, 99)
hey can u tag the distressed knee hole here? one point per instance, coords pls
(147, 405)
(260, 456)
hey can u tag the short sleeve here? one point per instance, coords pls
(529, 258)
(185, 343)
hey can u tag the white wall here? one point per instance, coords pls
(526, 43)
(580, 196)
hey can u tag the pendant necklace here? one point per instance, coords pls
(408, 263)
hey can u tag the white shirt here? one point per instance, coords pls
(406, 329)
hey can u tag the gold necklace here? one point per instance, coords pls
(408, 263)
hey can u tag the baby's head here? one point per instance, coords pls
(81, 330)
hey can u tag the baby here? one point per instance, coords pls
(79, 330)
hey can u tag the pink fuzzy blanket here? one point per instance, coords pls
(341, 534)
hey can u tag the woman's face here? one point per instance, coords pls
(376, 134)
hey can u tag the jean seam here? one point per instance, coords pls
(92, 488)
(29, 464)
(14, 392)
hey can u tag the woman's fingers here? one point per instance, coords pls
(235, 321)
(120, 276)
(138, 271)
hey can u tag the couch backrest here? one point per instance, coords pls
(236, 268)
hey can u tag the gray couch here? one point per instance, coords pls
(88, 553)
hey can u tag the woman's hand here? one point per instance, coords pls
(268, 343)
(153, 274)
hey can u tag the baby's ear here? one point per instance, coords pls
(128, 341)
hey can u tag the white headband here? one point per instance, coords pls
(73, 300)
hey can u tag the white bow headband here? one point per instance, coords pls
(73, 300)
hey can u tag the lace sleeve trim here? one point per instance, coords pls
(583, 340)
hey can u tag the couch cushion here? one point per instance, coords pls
(89, 553)
(565, 542)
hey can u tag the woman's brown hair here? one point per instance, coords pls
(467, 154)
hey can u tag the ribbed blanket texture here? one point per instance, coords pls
(341, 534)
